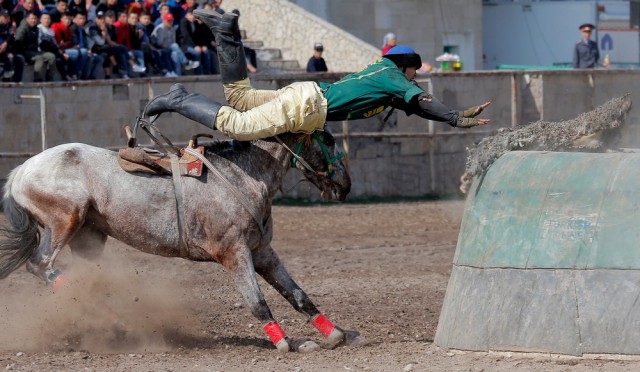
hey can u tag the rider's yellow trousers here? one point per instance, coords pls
(254, 114)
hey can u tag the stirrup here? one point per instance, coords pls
(131, 134)
(152, 131)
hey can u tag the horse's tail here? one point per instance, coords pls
(21, 237)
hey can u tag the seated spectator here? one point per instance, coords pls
(27, 36)
(176, 11)
(89, 61)
(316, 62)
(121, 20)
(164, 9)
(83, 6)
(151, 54)
(164, 38)
(76, 6)
(45, 5)
(64, 38)
(119, 51)
(21, 10)
(48, 43)
(7, 5)
(97, 42)
(58, 11)
(151, 7)
(130, 35)
(136, 6)
(194, 41)
(12, 64)
(211, 44)
(110, 5)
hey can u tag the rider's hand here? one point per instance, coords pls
(475, 111)
(471, 122)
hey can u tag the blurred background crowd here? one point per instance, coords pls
(91, 39)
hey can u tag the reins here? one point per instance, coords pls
(297, 158)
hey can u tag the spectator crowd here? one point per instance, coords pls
(120, 38)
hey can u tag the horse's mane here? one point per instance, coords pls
(225, 148)
(232, 148)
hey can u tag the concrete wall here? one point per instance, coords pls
(96, 112)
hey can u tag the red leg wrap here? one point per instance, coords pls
(57, 283)
(323, 324)
(276, 334)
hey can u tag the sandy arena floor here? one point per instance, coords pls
(379, 269)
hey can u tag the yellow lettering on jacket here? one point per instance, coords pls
(373, 112)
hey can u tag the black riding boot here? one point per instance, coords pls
(233, 66)
(190, 105)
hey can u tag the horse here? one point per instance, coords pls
(78, 195)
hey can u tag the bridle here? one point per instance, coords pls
(305, 139)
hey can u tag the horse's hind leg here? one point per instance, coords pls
(41, 261)
(55, 237)
(268, 265)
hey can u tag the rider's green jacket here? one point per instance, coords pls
(379, 85)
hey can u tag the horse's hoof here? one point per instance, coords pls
(55, 278)
(342, 338)
(283, 346)
(305, 346)
(335, 339)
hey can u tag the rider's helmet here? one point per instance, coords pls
(404, 56)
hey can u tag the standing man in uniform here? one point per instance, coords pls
(586, 53)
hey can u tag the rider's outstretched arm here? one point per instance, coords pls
(428, 107)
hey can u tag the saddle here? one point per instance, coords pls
(150, 161)
(146, 160)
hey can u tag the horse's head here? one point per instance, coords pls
(316, 156)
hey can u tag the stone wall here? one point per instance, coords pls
(426, 25)
(265, 21)
(96, 112)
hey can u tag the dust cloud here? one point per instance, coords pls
(103, 306)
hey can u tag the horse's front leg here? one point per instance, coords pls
(245, 277)
(268, 265)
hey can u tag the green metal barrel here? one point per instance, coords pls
(548, 257)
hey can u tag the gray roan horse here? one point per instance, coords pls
(77, 194)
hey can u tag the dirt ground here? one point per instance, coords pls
(378, 269)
